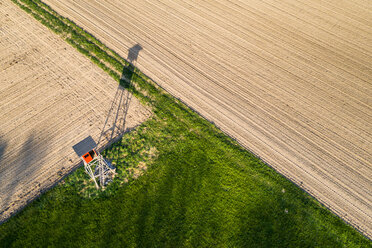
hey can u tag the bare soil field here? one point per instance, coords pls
(51, 97)
(289, 79)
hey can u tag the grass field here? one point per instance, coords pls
(181, 182)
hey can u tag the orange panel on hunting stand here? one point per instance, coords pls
(89, 156)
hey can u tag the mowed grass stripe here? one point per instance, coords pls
(199, 188)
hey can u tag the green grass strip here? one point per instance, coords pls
(181, 183)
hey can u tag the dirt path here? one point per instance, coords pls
(290, 80)
(51, 97)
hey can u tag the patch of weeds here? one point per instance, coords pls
(131, 156)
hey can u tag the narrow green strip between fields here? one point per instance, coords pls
(181, 182)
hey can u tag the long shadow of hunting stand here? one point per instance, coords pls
(114, 126)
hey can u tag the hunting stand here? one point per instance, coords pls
(94, 163)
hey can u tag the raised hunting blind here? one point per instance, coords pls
(94, 163)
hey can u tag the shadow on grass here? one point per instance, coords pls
(189, 198)
(185, 202)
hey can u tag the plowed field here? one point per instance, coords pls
(51, 97)
(289, 79)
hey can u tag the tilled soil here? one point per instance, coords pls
(289, 79)
(51, 97)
